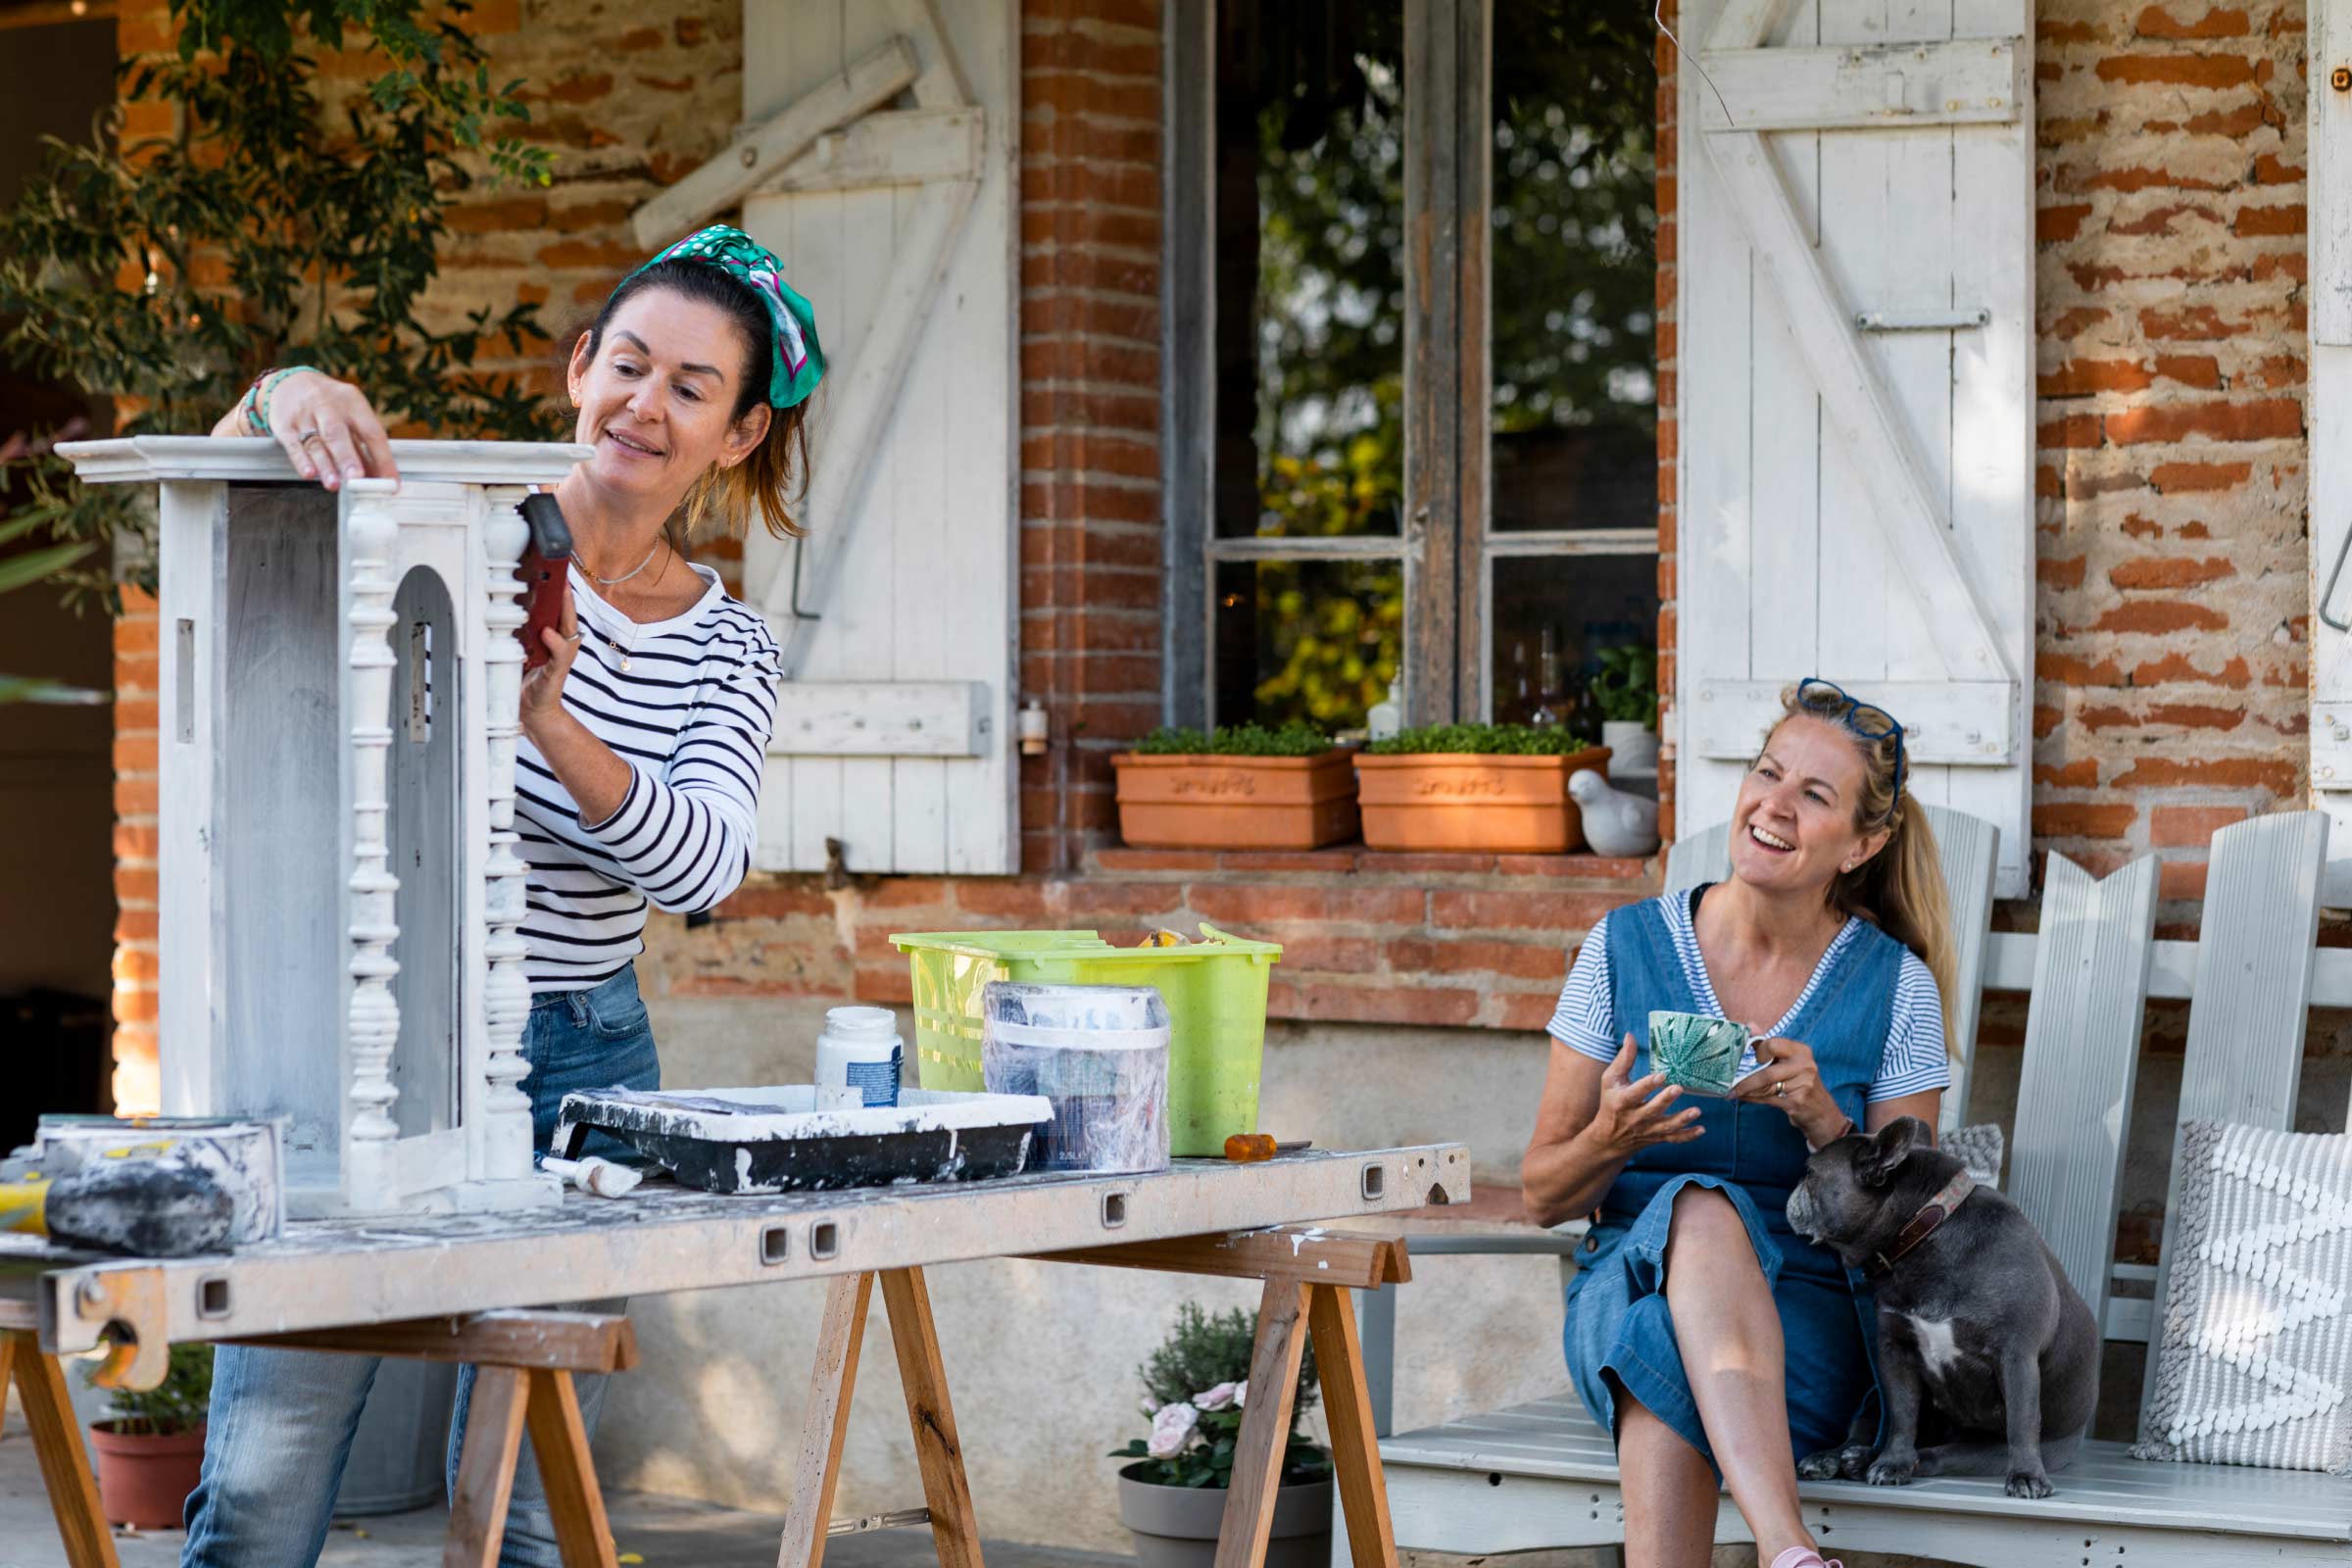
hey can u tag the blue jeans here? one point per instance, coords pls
(282, 1421)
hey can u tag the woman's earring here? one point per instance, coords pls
(1849, 865)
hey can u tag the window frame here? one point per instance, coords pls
(1449, 652)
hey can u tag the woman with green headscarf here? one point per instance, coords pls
(637, 776)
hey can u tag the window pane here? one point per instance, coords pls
(1551, 616)
(1308, 638)
(1310, 269)
(1575, 266)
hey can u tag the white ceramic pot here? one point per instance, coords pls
(1633, 749)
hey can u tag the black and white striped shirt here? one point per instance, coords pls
(688, 703)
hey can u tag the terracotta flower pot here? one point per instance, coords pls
(1176, 1527)
(144, 1480)
(1235, 802)
(1438, 800)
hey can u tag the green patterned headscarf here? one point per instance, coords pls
(799, 362)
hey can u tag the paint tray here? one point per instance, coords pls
(245, 1155)
(785, 1139)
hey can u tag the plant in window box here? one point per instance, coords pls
(151, 1445)
(1196, 1392)
(1494, 789)
(1626, 690)
(1240, 787)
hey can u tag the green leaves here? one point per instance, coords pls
(165, 273)
(1627, 687)
(176, 1405)
(1298, 738)
(1486, 740)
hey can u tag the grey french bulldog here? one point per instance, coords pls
(1977, 1322)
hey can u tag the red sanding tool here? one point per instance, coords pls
(545, 568)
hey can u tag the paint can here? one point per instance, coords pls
(861, 1050)
(1098, 1054)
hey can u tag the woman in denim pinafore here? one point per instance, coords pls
(1716, 1344)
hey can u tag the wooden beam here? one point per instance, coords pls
(858, 416)
(722, 182)
(880, 719)
(1306, 1254)
(1964, 81)
(888, 147)
(825, 1422)
(947, 1492)
(56, 1445)
(1348, 1407)
(569, 1341)
(1861, 414)
(1966, 722)
(477, 1508)
(1265, 1435)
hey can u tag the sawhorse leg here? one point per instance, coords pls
(56, 1442)
(947, 1495)
(1289, 1315)
(524, 1364)
(1307, 1273)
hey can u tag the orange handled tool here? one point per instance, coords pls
(1242, 1147)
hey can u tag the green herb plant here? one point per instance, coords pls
(159, 275)
(1484, 740)
(172, 1406)
(1627, 685)
(1298, 738)
(1194, 1393)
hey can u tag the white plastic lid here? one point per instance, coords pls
(1071, 1017)
(861, 1023)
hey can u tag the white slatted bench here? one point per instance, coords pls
(1544, 1476)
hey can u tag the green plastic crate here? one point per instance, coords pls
(1215, 990)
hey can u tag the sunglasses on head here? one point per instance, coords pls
(1822, 699)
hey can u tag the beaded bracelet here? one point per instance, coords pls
(257, 397)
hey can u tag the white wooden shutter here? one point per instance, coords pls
(877, 160)
(1856, 317)
(2331, 197)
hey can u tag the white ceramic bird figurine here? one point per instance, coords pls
(1615, 822)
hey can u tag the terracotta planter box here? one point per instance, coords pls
(1235, 802)
(1458, 801)
(144, 1480)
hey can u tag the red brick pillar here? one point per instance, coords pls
(1091, 530)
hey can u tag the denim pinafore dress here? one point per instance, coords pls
(1620, 1334)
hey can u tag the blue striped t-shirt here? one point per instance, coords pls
(1912, 1063)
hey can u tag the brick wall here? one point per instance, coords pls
(2169, 693)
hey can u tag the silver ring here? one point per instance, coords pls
(307, 436)
(1779, 1090)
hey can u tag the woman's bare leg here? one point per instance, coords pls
(1668, 1489)
(1729, 1332)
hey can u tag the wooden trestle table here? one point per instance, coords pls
(447, 1287)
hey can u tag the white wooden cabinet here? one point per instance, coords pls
(340, 893)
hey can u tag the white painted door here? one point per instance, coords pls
(1856, 317)
(2331, 258)
(898, 613)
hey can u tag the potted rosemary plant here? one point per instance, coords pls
(1172, 1496)
(1240, 787)
(1496, 789)
(151, 1445)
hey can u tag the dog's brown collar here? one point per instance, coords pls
(1934, 1212)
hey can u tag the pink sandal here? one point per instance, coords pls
(1804, 1557)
